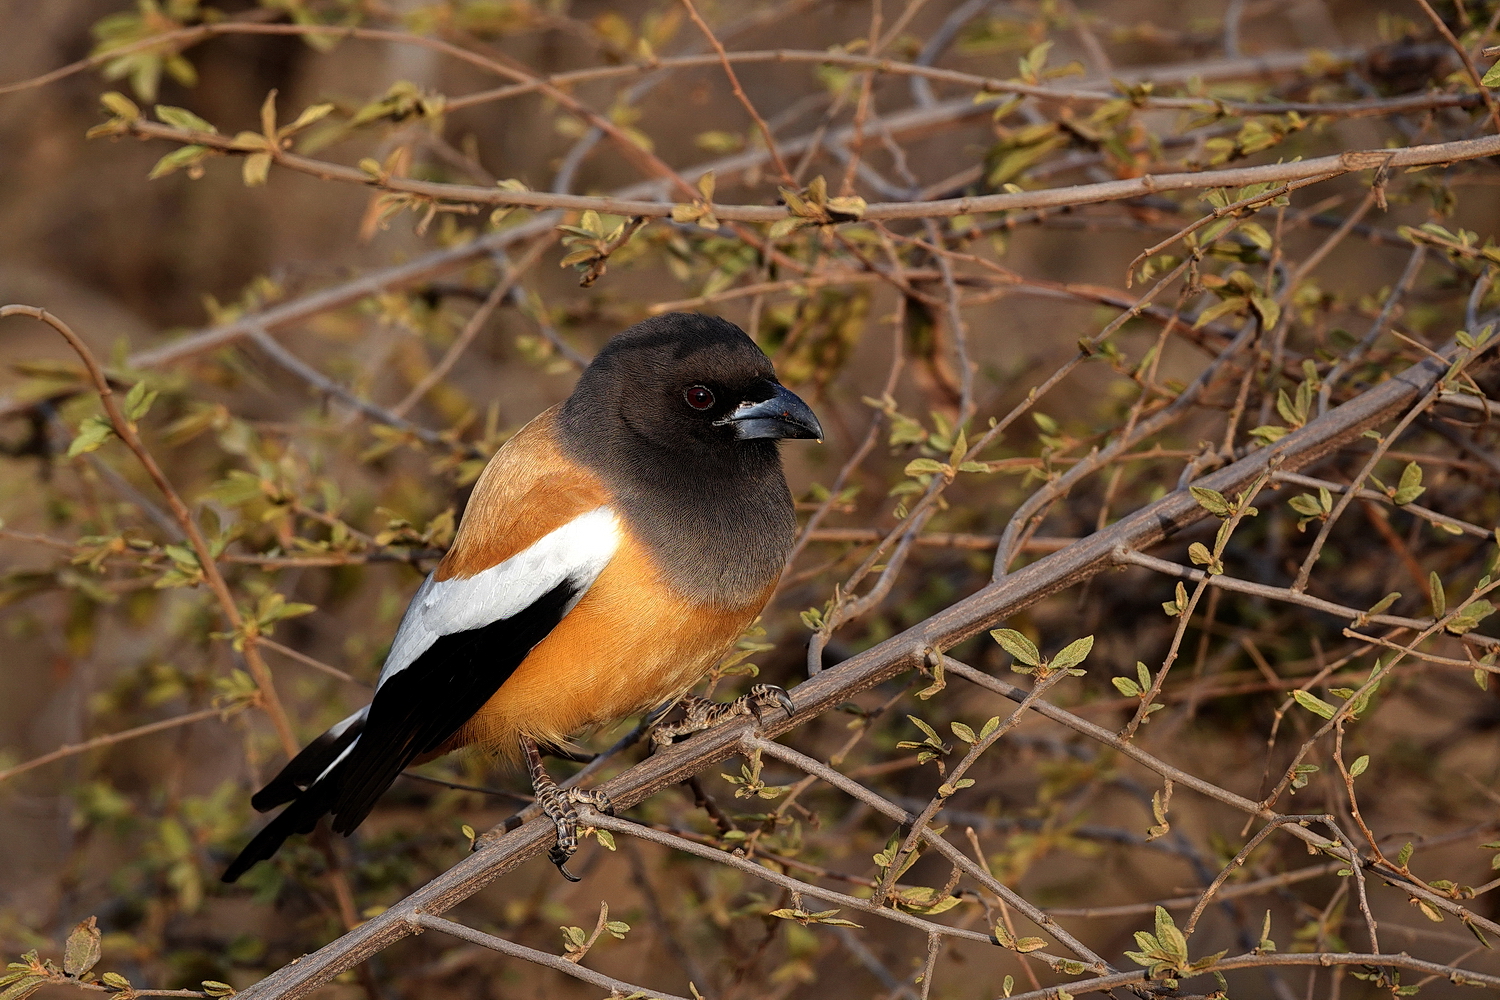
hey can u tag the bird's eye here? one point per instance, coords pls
(699, 397)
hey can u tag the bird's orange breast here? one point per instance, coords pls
(627, 646)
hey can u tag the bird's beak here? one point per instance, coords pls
(784, 415)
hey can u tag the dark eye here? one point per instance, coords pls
(699, 397)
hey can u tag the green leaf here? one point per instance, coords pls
(1468, 619)
(1018, 646)
(1126, 686)
(1313, 704)
(174, 161)
(1170, 939)
(1360, 764)
(311, 116)
(1410, 486)
(785, 227)
(92, 433)
(1269, 309)
(1384, 603)
(120, 105)
(1404, 855)
(963, 732)
(1306, 504)
(81, 953)
(924, 465)
(183, 119)
(1199, 554)
(24, 987)
(138, 401)
(1073, 653)
(1439, 596)
(214, 988)
(1212, 501)
(1491, 76)
(256, 168)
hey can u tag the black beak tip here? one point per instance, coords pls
(784, 415)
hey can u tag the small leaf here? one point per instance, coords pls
(1404, 855)
(1313, 704)
(82, 950)
(1073, 653)
(1439, 597)
(1468, 619)
(1126, 686)
(120, 105)
(1269, 309)
(92, 433)
(310, 116)
(920, 466)
(256, 168)
(1491, 76)
(183, 119)
(186, 156)
(1169, 937)
(963, 732)
(1199, 554)
(1360, 764)
(1018, 646)
(1306, 504)
(785, 227)
(1410, 486)
(1212, 501)
(138, 401)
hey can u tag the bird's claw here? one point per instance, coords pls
(560, 805)
(700, 713)
(765, 695)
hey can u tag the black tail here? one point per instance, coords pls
(302, 770)
(415, 710)
(299, 817)
(298, 783)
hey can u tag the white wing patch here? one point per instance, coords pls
(576, 552)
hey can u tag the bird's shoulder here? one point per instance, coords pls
(529, 489)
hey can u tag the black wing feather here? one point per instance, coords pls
(414, 712)
(302, 770)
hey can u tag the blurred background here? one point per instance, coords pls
(337, 512)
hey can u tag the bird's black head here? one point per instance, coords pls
(680, 415)
(690, 385)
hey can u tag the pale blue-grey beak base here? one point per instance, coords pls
(784, 415)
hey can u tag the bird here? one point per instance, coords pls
(611, 552)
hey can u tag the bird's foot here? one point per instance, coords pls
(560, 805)
(700, 713)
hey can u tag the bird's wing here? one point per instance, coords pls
(537, 533)
(459, 641)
